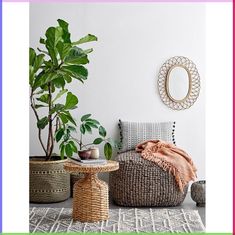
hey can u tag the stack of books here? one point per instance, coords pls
(89, 162)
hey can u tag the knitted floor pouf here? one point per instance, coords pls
(140, 182)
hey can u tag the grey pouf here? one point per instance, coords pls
(140, 182)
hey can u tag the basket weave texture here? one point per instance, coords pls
(49, 182)
(140, 182)
(90, 195)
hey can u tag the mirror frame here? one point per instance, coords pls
(168, 83)
(193, 88)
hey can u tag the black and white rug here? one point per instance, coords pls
(49, 220)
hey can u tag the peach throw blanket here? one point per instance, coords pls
(169, 158)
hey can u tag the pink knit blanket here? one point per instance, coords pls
(169, 158)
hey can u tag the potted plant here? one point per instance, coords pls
(50, 70)
(69, 143)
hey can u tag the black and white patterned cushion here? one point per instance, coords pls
(133, 133)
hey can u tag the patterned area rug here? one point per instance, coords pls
(121, 220)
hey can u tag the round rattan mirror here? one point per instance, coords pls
(179, 83)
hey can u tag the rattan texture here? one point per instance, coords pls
(195, 82)
(140, 182)
(49, 182)
(90, 194)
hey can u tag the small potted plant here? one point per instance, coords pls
(50, 70)
(70, 144)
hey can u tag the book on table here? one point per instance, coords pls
(88, 162)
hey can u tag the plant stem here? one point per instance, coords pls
(37, 117)
(50, 141)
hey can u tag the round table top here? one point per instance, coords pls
(73, 167)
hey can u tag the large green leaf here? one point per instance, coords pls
(62, 147)
(108, 151)
(84, 117)
(77, 71)
(102, 131)
(44, 78)
(73, 146)
(44, 98)
(38, 62)
(68, 150)
(59, 134)
(42, 122)
(62, 92)
(66, 35)
(76, 56)
(69, 117)
(53, 36)
(32, 56)
(87, 38)
(63, 118)
(63, 49)
(59, 82)
(71, 101)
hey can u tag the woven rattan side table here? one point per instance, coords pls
(90, 194)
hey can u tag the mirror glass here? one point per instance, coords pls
(178, 83)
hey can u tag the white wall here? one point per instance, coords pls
(135, 39)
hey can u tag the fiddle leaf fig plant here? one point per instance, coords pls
(60, 62)
(70, 144)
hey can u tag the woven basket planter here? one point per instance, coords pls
(140, 182)
(49, 182)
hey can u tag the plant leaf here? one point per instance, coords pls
(59, 95)
(68, 150)
(93, 121)
(84, 117)
(62, 151)
(44, 98)
(98, 141)
(59, 82)
(78, 71)
(41, 124)
(102, 131)
(32, 56)
(38, 62)
(59, 134)
(82, 129)
(76, 56)
(71, 101)
(63, 49)
(88, 128)
(66, 35)
(73, 146)
(71, 128)
(69, 117)
(87, 38)
(108, 151)
(91, 124)
(63, 118)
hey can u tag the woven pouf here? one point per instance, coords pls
(140, 182)
(90, 201)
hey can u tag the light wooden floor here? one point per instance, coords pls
(187, 204)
